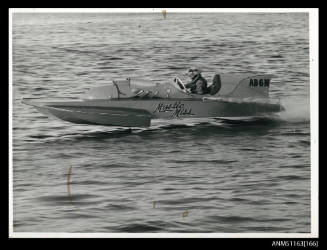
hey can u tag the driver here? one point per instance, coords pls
(198, 84)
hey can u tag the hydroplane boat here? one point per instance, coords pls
(135, 102)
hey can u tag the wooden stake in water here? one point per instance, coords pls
(68, 186)
(164, 13)
(185, 213)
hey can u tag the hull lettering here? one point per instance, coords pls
(177, 109)
(259, 82)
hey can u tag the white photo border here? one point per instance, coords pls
(314, 129)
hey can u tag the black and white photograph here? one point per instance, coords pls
(163, 122)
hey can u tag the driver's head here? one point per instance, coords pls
(192, 72)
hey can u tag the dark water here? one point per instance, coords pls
(249, 175)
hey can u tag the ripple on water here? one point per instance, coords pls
(77, 199)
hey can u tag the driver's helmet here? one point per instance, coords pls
(193, 72)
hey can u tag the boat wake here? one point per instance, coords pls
(296, 110)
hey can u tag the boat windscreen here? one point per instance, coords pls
(143, 83)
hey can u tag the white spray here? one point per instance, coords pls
(296, 109)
